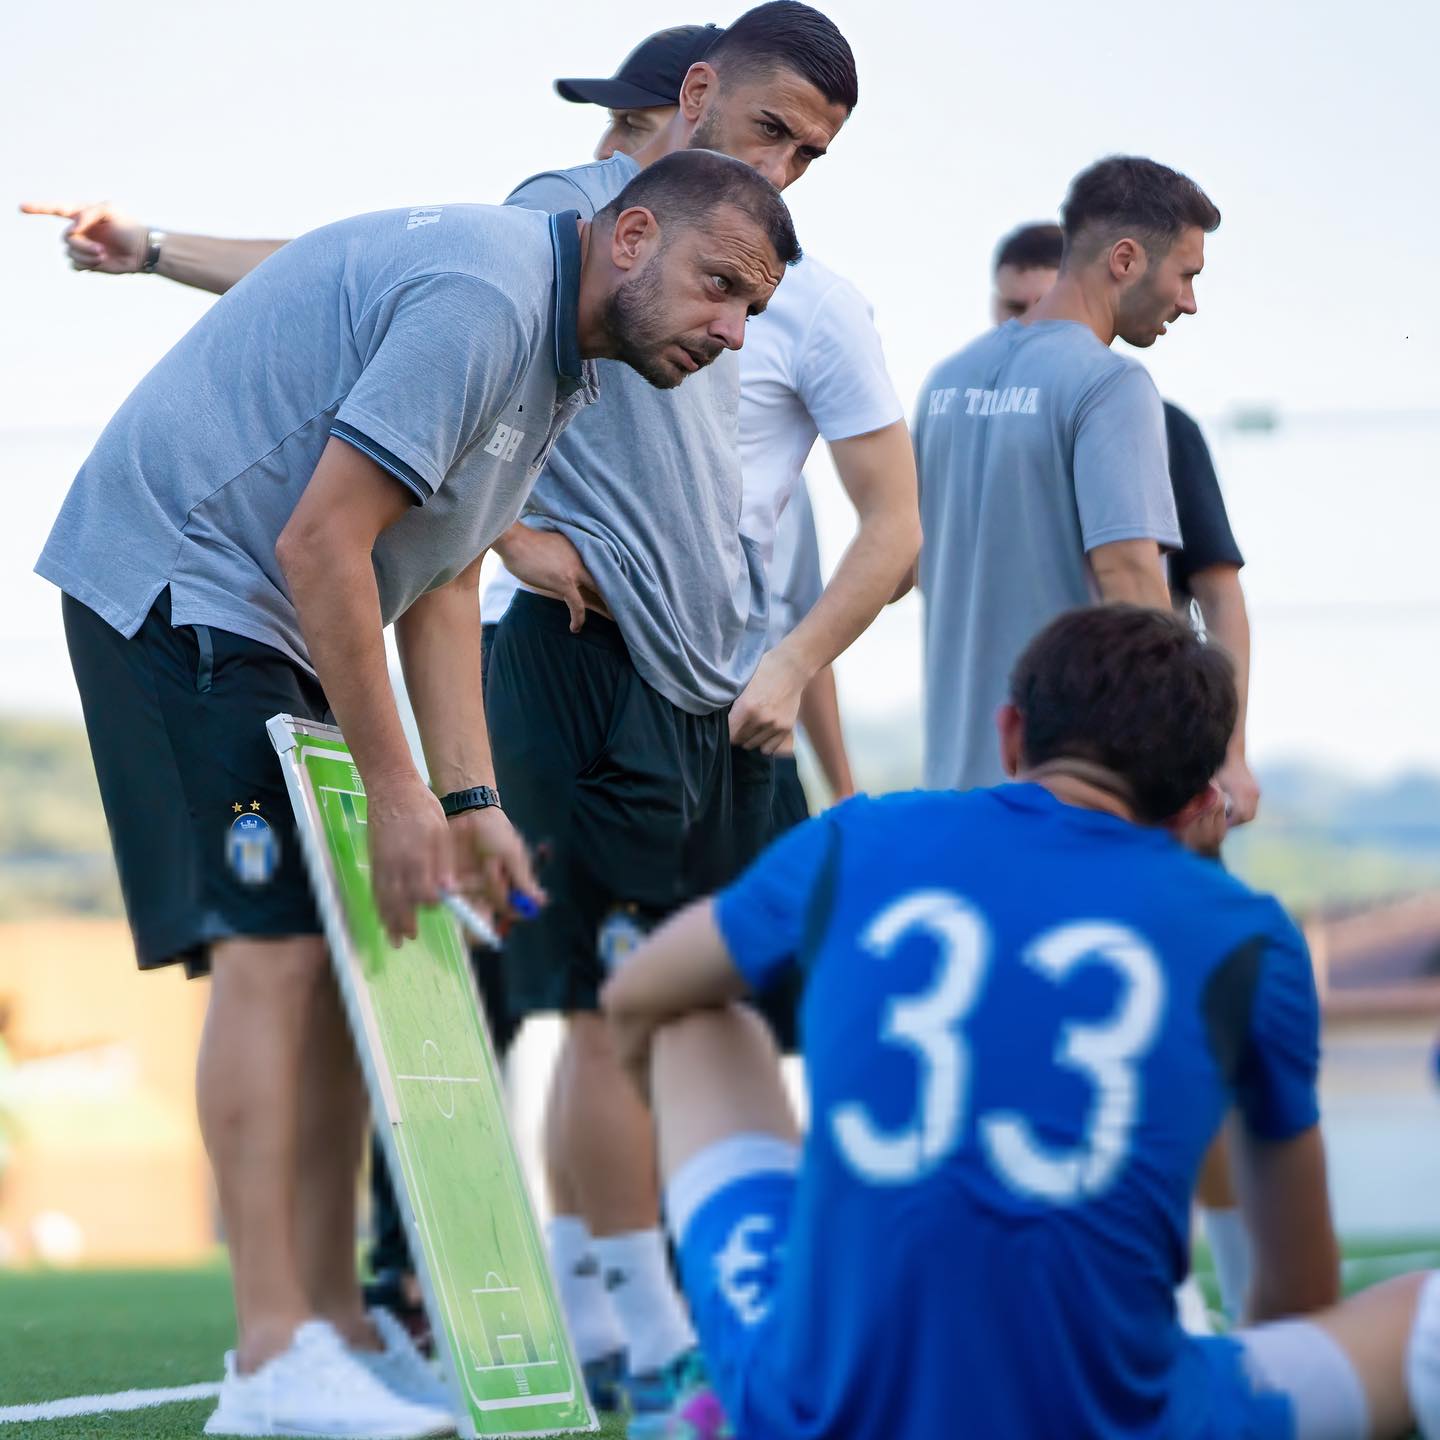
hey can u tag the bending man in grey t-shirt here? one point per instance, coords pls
(1044, 476)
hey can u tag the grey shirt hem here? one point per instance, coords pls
(117, 616)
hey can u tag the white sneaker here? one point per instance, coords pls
(401, 1368)
(318, 1388)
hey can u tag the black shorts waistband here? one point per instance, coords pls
(543, 613)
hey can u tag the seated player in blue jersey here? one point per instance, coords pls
(1028, 1010)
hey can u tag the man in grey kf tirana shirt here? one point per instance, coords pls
(1044, 473)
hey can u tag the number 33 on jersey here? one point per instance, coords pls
(932, 1024)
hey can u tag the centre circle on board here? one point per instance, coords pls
(442, 1088)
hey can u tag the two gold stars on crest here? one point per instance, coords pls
(237, 807)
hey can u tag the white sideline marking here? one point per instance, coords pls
(99, 1404)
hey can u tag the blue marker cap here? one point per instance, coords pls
(524, 906)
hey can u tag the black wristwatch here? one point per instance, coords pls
(477, 797)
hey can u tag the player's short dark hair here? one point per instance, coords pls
(685, 188)
(1031, 247)
(785, 33)
(1131, 689)
(1129, 195)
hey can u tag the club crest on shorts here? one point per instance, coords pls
(252, 847)
(620, 932)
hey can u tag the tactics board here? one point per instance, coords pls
(438, 1104)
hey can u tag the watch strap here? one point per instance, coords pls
(477, 797)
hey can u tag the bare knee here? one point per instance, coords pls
(260, 1006)
(719, 1042)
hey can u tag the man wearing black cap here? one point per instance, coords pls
(642, 93)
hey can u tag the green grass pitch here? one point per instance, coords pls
(96, 1333)
(100, 1332)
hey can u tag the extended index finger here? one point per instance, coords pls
(50, 207)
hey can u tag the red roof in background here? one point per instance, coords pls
(1394, 943)
(1383, 961)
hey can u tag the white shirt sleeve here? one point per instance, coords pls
(841, 375)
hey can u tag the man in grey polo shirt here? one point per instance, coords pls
(333, 447)
(1044, 474)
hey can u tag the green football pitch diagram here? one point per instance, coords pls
(439, 1106)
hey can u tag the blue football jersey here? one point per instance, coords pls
(1023, 1024)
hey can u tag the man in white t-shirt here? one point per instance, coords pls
(796, 583)
(812, 365)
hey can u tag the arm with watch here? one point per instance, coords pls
(417, 853)
(104, 239)
(439, 642)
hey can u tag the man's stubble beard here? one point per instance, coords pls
(633, 322)
(708, 134)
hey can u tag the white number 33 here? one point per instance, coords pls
(931, 1022)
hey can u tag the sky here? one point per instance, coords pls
(1313, 127)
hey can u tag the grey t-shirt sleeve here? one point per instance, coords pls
(796, 579)
(1121, 468)
(442, 353)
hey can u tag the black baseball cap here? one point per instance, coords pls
(650, 75)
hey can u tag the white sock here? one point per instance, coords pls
(1422, 1360)
(637, 1275)
(1190, 1306)
(589, 1311)
(1230, 1248)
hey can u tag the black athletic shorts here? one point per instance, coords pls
(789, 807)
(641, 807)
(199, 817)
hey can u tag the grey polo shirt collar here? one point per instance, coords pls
(565, 240)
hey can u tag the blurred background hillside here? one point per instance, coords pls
(1322, 842)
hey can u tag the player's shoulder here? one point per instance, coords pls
(587, 188)
(506, 250)
(1068, 350)
(1127, 370)
(1216, 899)
(909, 817)
(1096, 377)
(491, 235)
(813, 312)
(456, 256)
(812, 286)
